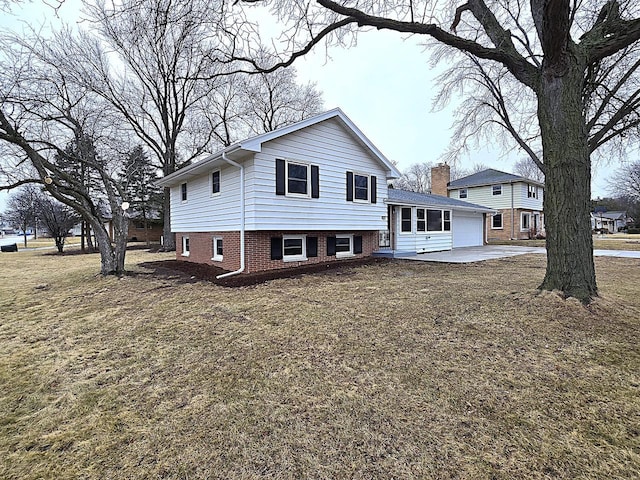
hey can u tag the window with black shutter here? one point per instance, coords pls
(331, 246)
(276, 248)
(357, 244)
(280, 177)
(312, 246)
(315, 181)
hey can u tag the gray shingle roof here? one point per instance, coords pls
(489, 177)
(613, 215)
(405, 197)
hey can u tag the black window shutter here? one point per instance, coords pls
(357, 244)
(315, 181)
(280, 166)
(331, 246)
(276, 248)
(349, 186)
(312, 246)
(374, 188)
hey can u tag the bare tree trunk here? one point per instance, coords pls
(570, 266)
(82, 225)
(87, 232)
(112, 255)
(169, 238)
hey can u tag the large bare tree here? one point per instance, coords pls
(162, 64)
(558, 50)
(42, 111)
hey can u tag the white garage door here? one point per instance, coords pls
(467, 230)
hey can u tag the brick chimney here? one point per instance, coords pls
(440, 178)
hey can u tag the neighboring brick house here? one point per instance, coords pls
(311, 192)
(517, 200)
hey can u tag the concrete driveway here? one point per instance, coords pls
(489, 252)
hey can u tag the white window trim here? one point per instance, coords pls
(345, 254)
(286, 179)
(216, 257)
(400, 231)
(461, 191)
(186, 188)
(501, 222)
(217, 194)
(450, 220)
(522, 215)
(493, 191)
(295, 258)
(424, 220)
(186, 251)
(359, 200)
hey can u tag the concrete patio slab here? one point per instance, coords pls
(490, 252)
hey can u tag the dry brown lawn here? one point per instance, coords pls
(403, 370)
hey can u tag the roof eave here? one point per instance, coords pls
(196, 168)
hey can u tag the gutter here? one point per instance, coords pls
(242, 229)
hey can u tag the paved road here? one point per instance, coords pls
(489, 252)
(9, 239)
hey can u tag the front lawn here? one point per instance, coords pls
(398, 370)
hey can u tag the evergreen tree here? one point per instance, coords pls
(145, 199)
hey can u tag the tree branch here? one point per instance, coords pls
(504, 51)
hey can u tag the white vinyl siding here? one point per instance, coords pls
(418, 241)
(204, 212)
(483, 195)
(329, 146)
(522, 199)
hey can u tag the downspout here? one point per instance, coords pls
(513, 216)
(242, 266)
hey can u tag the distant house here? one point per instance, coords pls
(314, 191)
(610, 222)
(517, 200)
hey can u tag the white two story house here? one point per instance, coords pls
(315, 191)
(517, 200)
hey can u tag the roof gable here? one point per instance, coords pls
(254, 145)
(489, 176)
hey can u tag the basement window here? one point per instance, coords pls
(294, 248)
(217, 249)
(185, 246)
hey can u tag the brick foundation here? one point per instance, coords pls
(258, 249)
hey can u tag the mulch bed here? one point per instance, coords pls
(191, 272)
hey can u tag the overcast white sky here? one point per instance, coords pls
(384, 84)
